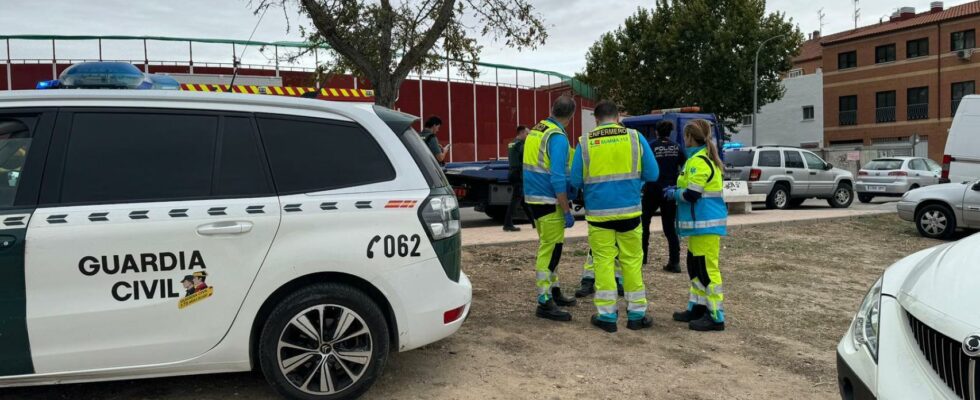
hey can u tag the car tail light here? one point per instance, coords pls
(440, 215)
(755, 174)
(460, 192)
(898, 173)
(862, 173)
(947, 160)
(453, 315)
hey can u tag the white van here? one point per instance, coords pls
(175, 233)
(961, 160)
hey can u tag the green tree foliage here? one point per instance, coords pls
(694, 52)
(383, 41)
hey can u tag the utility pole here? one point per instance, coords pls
(755, 87)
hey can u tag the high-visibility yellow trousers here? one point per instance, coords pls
(588, 270)
(702, 268)
(551, 236)
(604, 243)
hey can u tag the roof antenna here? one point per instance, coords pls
(821, 15)
(857, 14)
(235, 63)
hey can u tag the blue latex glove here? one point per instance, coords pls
(669, 192)
(569, 220)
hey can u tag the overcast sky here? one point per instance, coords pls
(573, 26)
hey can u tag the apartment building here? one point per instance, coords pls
(895, 85)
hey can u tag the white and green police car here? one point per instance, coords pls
(160, 233)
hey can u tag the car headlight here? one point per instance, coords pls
(864, 330)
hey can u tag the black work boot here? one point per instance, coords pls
(691, 315)
(673, 267)
(561, 300)
(606, 326)
(551, 311)
(642, 323)
(587, 288)
(705, 324)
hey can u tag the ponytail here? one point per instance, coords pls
(699, 130)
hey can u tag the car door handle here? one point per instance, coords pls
(789, 172)
(225, 228)
(813, 172)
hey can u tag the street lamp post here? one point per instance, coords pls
(755, 86)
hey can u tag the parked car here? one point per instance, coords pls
(893, 176)
(961, 160)
(939, 210)
(916, 334)
(179, 233)
(788, 176)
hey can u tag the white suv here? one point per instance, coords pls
(153, 233)
(916, 335)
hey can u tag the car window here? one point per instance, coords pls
(933, 166)
(242, 170)
(739, 158)
(770, 159)
(918, 165)
(813, 161)
(308, 155)
(15, 142)
(883, 165)
(793, 159)
(129, 157)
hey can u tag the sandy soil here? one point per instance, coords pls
(791, 292)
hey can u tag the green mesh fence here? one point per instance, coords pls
(580, 88)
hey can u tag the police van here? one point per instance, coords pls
(149, 233)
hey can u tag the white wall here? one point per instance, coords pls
(781, 123)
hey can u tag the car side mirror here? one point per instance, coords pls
(828, 166)
(976, 187)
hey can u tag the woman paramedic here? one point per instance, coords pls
(702, 219)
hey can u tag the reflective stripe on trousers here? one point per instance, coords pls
(606, 244)
(706, 281)
(551, 236)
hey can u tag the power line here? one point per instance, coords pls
(234, 63)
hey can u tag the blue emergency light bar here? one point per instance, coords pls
(108, 75)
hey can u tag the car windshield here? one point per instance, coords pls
(739, 158)
(883, 165)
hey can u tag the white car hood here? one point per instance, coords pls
(940, 287)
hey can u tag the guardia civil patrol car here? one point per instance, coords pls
(148, 233)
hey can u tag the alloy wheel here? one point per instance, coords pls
(934, 222)
(324, 349)
(781, 198)
(843, 195)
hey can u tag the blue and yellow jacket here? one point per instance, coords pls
(610, 164)
(701, 208)
(544, 179)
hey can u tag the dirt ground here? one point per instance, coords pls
(791, 290)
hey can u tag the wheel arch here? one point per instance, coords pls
(931, 202)
(338, 277)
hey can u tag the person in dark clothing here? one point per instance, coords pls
(670, 159)
(428, 135)
(515, 175)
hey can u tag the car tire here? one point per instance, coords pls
(342, 364)
(936, 221)
(865, 198)
(779, 197)
(843, 196)
(794, 203)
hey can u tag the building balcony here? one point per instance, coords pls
(885, 114)
(848, 117)
(918, 111)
